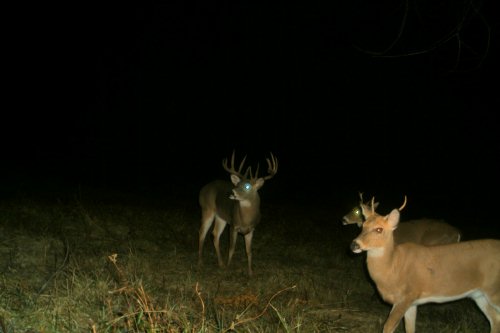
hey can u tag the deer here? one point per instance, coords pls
(422, 231)
(235, 202)
(408, 275)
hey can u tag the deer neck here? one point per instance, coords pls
(247, 211)
(384, 267)
(381, 261)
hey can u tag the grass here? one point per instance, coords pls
(90, 265)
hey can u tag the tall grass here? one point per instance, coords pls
(86, 265)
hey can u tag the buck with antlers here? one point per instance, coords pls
(236, 203)
(422, 231)
(409, 274)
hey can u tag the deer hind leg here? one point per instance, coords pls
(206, 222)
(490, 310)
(220, 224)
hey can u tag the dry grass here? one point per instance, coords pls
(89, 266)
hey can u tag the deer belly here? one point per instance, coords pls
(441, 299)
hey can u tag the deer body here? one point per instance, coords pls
(409, 274)
(236, 203)
(426, 232)
(433, 274)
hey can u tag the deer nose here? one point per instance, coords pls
(233, 195)
(355, 246)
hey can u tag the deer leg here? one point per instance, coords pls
(397, 313)
(232, 244)
(410, 319)
(489, 310)
(248, 248)
(220, 224)
(206, 222)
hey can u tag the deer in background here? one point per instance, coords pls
(236, 203)
(409, 274)
(420, 231)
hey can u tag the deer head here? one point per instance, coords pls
(355, 215)
(248, 183)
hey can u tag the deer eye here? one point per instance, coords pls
(247, 187)
(379, 230)
(357, 212)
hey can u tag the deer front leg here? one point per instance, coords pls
(232, 243)
(248, 248)
(410, 319)
(397, 313)
(220, 224)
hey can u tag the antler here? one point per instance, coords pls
(231, 169)
(403, 206)
(272, 168)
(360, 197)
(373, 205)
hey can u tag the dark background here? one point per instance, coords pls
(148, 98)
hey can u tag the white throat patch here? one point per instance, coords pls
(245, 203)
(375, 252)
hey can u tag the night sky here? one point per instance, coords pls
(353, 96)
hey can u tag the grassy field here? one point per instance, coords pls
(92, 263)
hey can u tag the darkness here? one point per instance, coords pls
(389, 98)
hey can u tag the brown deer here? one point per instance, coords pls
(236, 203)
(408, 275)
(421, 231)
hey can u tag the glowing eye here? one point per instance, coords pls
(357, 212)
(247, 186)
(379, 230)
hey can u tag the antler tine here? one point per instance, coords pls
(231, 169)
(373, 205)
(256, 172)
(272, 166)
(242, 163)
(403, 206)
(360, 197)
(248, 171)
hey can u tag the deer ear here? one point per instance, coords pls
(258, 183)
(393, 219)
(235, 179)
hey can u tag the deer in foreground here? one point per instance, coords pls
(236, 203)
(409, 274)
(421, 231)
